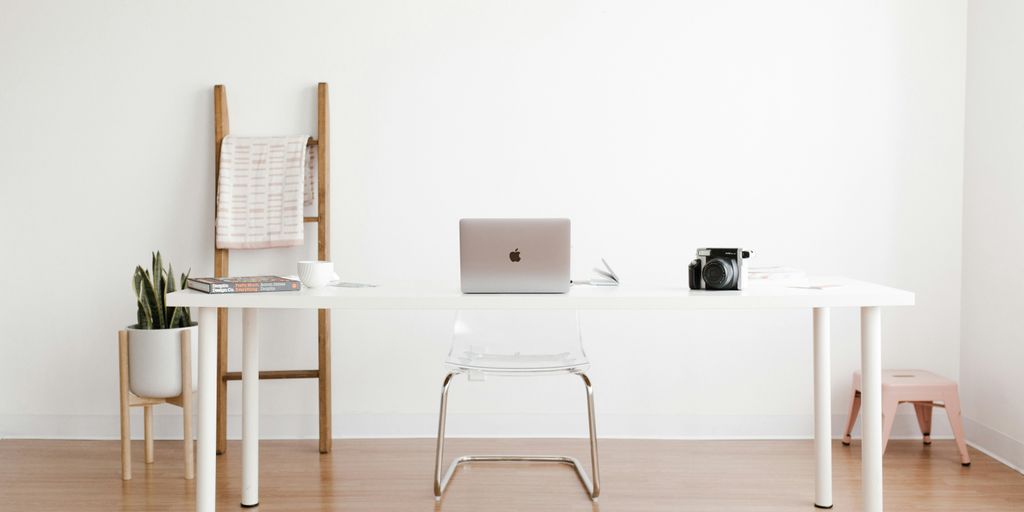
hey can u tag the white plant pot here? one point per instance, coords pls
(154, 361)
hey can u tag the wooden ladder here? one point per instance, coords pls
(220, 269)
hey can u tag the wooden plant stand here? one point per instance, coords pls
(129, 400)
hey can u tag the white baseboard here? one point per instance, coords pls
(615, 426)
(168, 426)
(995, 444)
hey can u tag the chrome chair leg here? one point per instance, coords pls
(593, 487)
(439, 456)
(595, 491)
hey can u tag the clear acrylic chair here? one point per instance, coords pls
(520, 343)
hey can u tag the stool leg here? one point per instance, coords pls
(148, 410)
(854, 411)
(186, 403)
(953, 412)
(126, 427)
(889, 406)
(924, 420)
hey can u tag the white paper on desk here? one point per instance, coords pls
(608, 277)
(342, 284)
(821, 286)
(777, 272)
(598, 282)
(607, 272)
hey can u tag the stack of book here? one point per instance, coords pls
(248, 284)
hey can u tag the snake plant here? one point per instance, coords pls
(151, 291)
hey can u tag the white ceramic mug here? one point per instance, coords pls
(316, 274)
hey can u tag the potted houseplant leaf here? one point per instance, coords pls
(154, 342)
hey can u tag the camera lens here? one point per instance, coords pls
(719, 274)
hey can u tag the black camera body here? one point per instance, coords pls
(718, 269)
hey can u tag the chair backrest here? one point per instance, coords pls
(517, 340)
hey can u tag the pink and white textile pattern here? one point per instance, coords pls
(310, 195)
(260, 192)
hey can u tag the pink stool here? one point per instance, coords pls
(922, 389)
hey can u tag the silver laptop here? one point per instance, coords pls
(514, 255)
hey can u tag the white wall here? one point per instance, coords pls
(825, 135)
(992, 350)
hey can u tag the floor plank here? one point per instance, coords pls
(395, 474)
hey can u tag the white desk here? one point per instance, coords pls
(866, 296)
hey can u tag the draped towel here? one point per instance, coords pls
(260, 194)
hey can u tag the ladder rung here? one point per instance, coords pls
(277, 374)
(311, 142)
(311, 219)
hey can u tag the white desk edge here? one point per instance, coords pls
(767, 295)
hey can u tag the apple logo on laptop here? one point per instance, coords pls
(514, 255)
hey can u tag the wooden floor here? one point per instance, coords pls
(385, 475)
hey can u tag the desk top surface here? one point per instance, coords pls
(803, 293)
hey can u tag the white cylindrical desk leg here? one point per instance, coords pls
(871, 406)
(206, 456)
(250, 407)
(822, 410)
